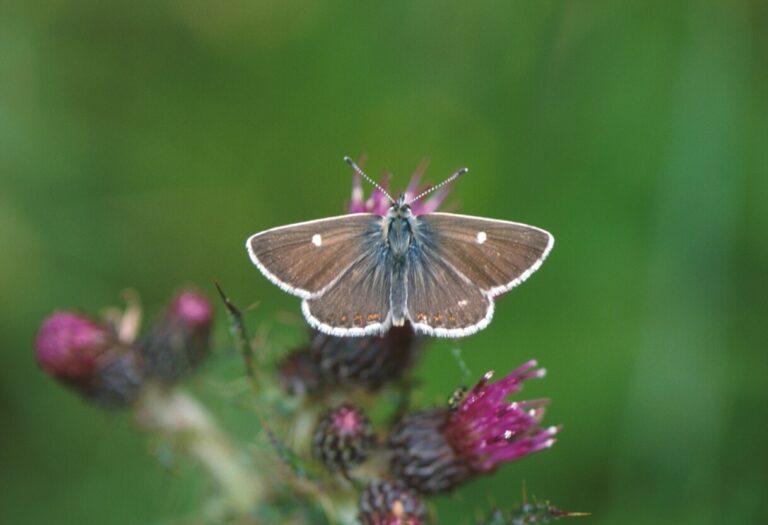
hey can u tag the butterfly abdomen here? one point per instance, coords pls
(398, 296)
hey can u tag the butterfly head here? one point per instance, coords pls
(400, 209)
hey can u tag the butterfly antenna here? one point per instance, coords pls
(366, 177)
(459, 173)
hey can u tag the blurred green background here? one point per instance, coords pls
(141, 143)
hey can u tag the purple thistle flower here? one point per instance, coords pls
(179, 341)
(192, 308)
(343, 437)
(367, 362)
(379, 203)
(489, 431)
(436, 450)
(69, 345)
(87, 356)
(390, 503)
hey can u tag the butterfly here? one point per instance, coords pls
(362, 273)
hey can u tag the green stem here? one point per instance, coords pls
(237, 329)
(185, 421)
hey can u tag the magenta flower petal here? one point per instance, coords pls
(413, 188)
(357, 204)
(69, 344)
(435, 450)
(488, 431)
(192, 308)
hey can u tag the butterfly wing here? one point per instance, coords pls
(440, 301)
(358, 303)
(460, 262)
(306, 258)
(496, 255)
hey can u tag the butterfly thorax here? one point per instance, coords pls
(398, 227)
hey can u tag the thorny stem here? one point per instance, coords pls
(237, 329)
(297, 480)
(189, 425)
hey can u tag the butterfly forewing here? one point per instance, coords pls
(440, 300)
(358, 303)
(305, 258)
(495, 255)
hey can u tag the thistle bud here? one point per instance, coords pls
(343, 438)
(181, 338)
(86, 355)
(386, 503)
(299, 374)
(369, 362)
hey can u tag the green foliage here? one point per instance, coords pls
(528, 513)
(142, 142)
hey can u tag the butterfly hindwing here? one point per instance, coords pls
(358, 303)
(495, 255)
(306, 258)
(440, 300)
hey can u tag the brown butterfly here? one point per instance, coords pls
(360, 274)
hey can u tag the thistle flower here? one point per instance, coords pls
(86, 355)
(379, 203)
(180, 339)
(69, 345)
(343, 438)
(299, 373)
(367, 362)
(436, 450)
(388, 503)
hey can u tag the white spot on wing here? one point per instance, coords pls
(462, 303)
(317, 240)
(481, 237)
(287, 287)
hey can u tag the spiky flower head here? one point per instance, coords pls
(366, 362)
(369, 362)
(180, 340)
(435, 450)
(390, 503)
(86, 355)
(299, 373)
(489, 431)
(379, 203)
(343, 438)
